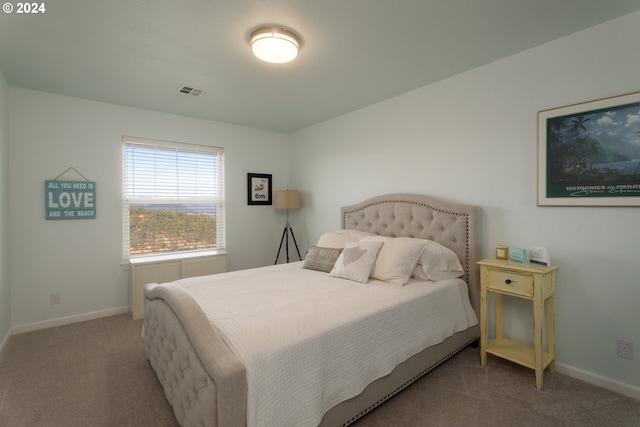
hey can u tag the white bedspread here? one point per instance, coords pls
(312, 343)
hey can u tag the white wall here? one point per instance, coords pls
(5, 290)
(472, 138)
(81, 259)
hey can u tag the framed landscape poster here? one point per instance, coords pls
(259, 189)
(589, 153)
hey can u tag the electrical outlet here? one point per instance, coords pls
(625, 349)
(55, 299)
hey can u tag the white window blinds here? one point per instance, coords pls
(173, 197)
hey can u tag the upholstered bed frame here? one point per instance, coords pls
(213, 393)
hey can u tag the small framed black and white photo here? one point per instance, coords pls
(259, 190)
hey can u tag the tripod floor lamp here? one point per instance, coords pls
(287, 199)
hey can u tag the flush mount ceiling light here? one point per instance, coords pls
(276, 45)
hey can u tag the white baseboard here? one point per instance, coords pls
(67, 320)
(5, 341)
(595, 379)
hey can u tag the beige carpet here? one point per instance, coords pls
(95, 374)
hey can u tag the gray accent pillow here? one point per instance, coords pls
(321, 259)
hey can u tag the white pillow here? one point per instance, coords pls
(339, 238)
(356, 261)
(396, 260)
(437, 262)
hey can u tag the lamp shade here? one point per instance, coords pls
(276, 45)
(287, 199)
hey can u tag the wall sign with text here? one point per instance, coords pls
(69, 199)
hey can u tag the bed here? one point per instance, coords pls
(211, 379)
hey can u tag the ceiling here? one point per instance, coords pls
(354, 52)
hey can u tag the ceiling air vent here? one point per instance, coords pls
(189, 90)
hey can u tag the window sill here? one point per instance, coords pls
(171, 257)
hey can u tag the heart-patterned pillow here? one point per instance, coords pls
(353, 254)
(356, 261)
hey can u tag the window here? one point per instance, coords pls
(173, 197)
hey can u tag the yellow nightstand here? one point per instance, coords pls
(529, 281)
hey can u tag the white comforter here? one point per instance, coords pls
(309, 341)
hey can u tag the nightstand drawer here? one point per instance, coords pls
(508, 281)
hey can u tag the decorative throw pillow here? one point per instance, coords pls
(321, 259)
(396, 260)
(437, 262)
(339, 238)
(356, 261)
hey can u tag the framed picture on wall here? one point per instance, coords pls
(259, 189)
(589, 153)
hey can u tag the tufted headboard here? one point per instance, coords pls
(454, 225)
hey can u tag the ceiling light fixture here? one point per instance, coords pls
(276, 45)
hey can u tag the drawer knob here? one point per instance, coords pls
(509, 281)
